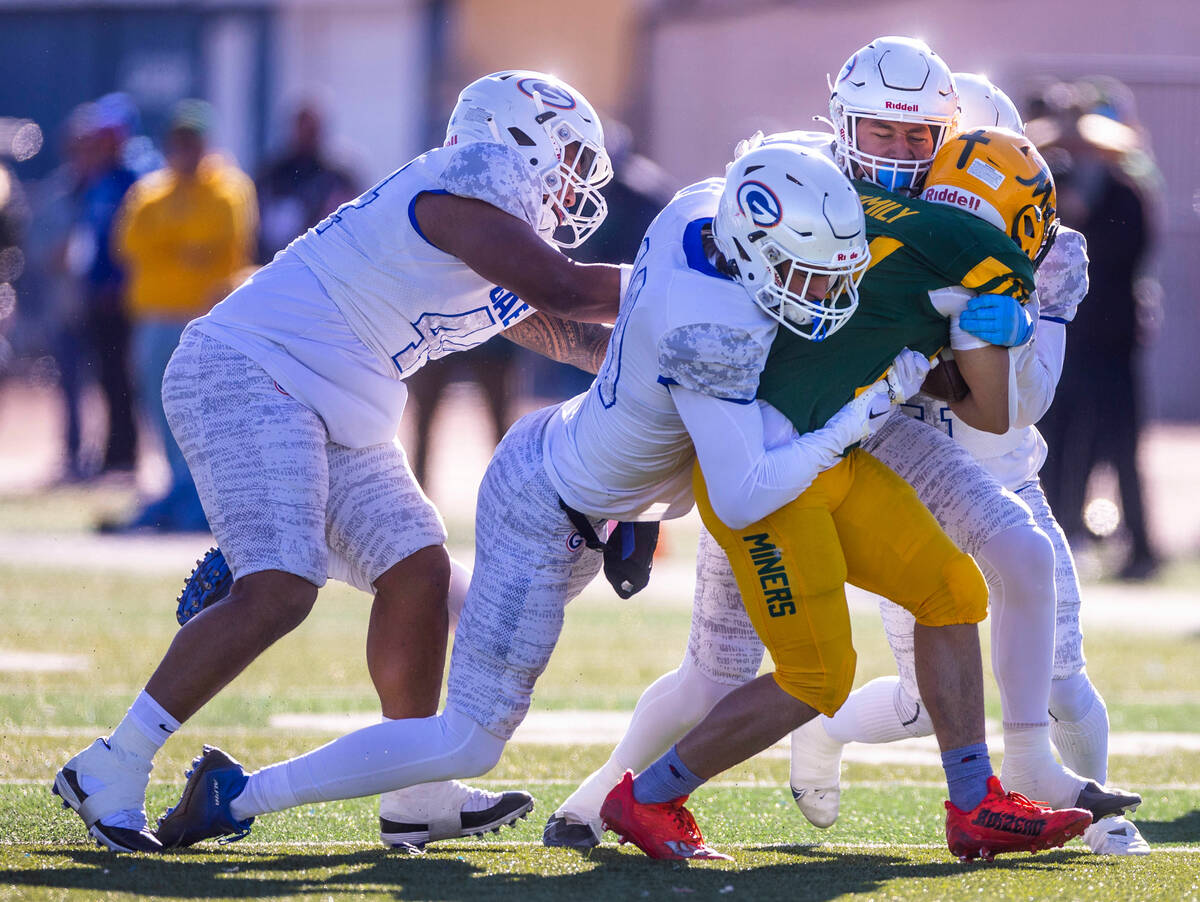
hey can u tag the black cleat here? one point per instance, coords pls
(451, 821)
(1106, 801)
(561, 833)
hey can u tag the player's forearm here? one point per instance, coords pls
(582, 345)
(987, 371)
(746, 480)
(582, 292)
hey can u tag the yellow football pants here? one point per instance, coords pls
(859, 523)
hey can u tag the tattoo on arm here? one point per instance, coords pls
(579, 344)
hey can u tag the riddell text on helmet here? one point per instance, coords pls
(952, 197)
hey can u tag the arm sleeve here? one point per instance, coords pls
(746, 479)
(1038, 366)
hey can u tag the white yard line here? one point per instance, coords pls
(1141, 608)
(561, 728)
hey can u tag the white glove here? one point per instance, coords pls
(905, 375)
(859, 419)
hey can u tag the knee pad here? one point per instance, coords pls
(1071, 699)
(825, 683)
(1020, 554)
(962, 597)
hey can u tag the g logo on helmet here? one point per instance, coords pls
(759, 202)
(552, 95)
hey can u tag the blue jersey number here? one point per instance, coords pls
(610, 372)
(442, 334)
(359, 202)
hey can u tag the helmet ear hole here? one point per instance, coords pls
(522, 139)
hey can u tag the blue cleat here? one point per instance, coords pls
(203, 812)
(208, 584)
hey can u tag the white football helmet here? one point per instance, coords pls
(982, 105)
(553, 127)
(787, 210)
(898, 79)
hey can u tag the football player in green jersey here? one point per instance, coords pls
(969, 504)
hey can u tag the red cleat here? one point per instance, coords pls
(1009, 822)
(661, 830)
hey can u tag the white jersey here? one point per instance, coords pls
(366, 283)
(621, 449)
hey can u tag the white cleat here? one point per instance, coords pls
(820, 806)
(416, 815)
(1115, 836)
(816, 773)
(107, 789)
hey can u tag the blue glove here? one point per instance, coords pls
(997, 319)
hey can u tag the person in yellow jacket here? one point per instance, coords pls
(183, 232)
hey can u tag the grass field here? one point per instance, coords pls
(79, 642)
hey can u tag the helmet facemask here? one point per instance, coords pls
(573, 207)
(889, 173)
(898, 80)
(788, 298)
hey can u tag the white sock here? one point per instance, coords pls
(816, 757)
(1079, 727)
(670, 706)
(144, 729)
(1031, 769)
(1019, 566)
(880, 711)
(373, 760)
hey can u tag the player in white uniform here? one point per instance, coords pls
(893, 105)
(889, 708)
(286, 398)
(677, 385)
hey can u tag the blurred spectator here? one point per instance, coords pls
(300, 186)
(54, 279)
(184, 231)
(109, 177)
(1107, 189)
(13, 216)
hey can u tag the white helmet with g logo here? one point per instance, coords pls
(901, 80)
(556, 130)
(791, 226)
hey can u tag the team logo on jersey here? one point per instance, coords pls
(552, 95)
(759, 202)
(574, 541)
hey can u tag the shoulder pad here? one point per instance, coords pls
(712, 358)
(494, 174)
(1062, 279)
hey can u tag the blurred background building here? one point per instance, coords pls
(689, 77)
(678, 81)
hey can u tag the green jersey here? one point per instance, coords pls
(916, 248)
